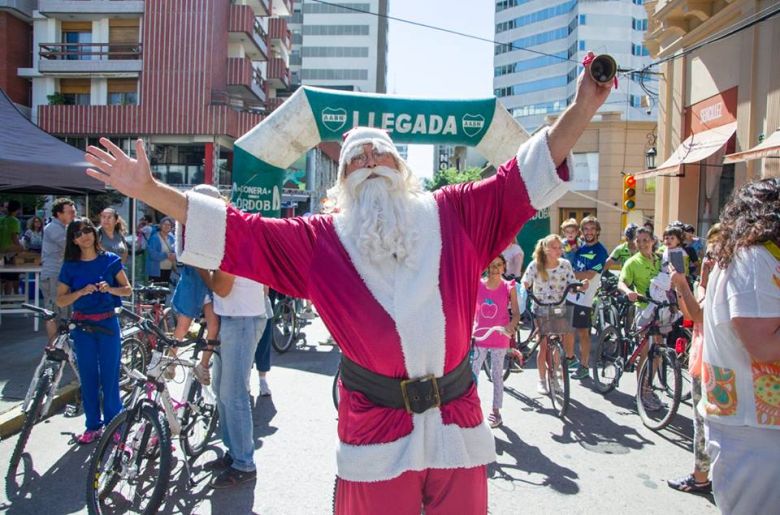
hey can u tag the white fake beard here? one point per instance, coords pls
(375, 213)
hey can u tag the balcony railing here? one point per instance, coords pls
(90, 51)
(278, 73)
(278, 31)
(244, 80)
(245, 28)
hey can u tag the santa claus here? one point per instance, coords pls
(394, 276)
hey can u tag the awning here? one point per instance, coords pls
(770, 147)
(695, 148)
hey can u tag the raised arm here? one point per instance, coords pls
(133, 177)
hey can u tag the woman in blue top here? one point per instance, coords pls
(160, 254)
(93, 281)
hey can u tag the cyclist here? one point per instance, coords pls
(635, 279)
(547, 276)
(589, 260)
(92, 280)
(625, 250)
(494, 297)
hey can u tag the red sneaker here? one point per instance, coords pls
(89, 436)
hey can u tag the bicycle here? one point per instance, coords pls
(47, 376)
(611, 307)
(287, 323)
(660, 372)
(554, 320)
(135, 448)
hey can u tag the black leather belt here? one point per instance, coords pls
(414, 395)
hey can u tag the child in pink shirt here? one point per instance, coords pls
(493, 302)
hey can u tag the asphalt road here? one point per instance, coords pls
(599, 460)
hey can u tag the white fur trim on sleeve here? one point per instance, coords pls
(539, 173)
(202, 242)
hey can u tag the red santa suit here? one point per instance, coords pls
(402, 320)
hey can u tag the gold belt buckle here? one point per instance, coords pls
(405, 394)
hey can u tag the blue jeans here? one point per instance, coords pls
(98, 357)
(239, 336)
(263, 352)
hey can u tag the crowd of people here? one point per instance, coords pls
(728, 285)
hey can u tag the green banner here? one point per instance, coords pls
(257, 186)
(418, 121)
(534, 230)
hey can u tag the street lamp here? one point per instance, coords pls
(650, 158)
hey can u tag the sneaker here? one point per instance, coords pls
(232, 477)
(307, 314)
(541, 387)
(89, 436)
(580, 373)
(572, 363)
(651, 402)
(689, 485)
(221, 463)
(265, 391)
(202, 374)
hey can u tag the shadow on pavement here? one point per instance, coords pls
(30, 492)
(309, 359)
(530, 459)
(595, 432)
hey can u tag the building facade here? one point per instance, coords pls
(189, 77)
(459, 157)
(541, 47)
(339, 45)
(16, 49)
(609, 146)
(718, 99)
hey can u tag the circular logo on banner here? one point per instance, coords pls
(334, 119)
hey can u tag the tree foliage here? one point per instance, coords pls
(451, 176)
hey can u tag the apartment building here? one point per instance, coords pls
(543, 43)
(189, 77)
(16, 49)
(341, 46)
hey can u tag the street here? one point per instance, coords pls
(600, 460)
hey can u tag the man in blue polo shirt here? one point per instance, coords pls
(588, 263)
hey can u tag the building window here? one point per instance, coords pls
(335, 30)
(530, 64)
(538, 85)
(325, 74)
(542, 108)
(122, 92)
(78, 35)
(639, 2)
(123, 38)
(635, 101)
(581, 45)
(585, 176)
(639, 50)
(75, 91)
(639, 24)
(334, 51)
(536, 16)
(340, 8)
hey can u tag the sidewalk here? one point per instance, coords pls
(21, 349)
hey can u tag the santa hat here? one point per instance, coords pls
(354, 140)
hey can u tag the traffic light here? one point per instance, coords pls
(629, 192)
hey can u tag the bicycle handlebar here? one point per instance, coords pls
(45, 313)
(661, 304)
(569, 288)
(495, 329)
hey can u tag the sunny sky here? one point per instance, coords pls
(426, 63)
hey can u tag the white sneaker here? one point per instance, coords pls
(307, 314)
(265, 391)
(541, 387)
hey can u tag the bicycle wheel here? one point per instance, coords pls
(658, 389)
(557, 378)
(199, 421)
(133, 357)
(683, 357)
(284, 326)
(606, 371)
(123, 476)
(31, 417)
(487, 366)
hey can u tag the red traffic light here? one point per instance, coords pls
(629, 181)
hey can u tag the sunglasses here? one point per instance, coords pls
(83, 231)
